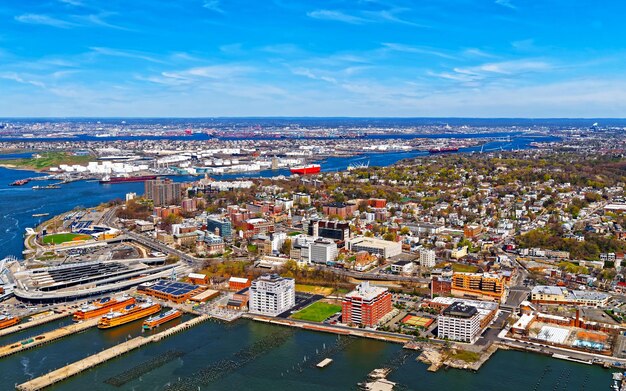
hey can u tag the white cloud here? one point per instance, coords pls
(312, 75)
(398, 47)
(506, 3)
(125, 53)
(21, 79)
(337, 16)
(213, 5)
(44, 20)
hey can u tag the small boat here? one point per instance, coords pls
(19, 182)
(41, 214)
(49, 187)
(157, 320)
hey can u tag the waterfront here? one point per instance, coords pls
(19, 203)
(283, 367)
(197, 349)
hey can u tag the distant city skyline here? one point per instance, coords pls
(365, 58)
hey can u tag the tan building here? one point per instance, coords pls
(484, 286)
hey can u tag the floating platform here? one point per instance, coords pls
(324, 363)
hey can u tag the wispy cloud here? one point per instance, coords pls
(71, 21)
(337, 16)
(390, 15)
(75, 3)
(506, 3)
(312, 75)
(399, 47)
(213, 5)
(474, 75)
(192, 75)
(14, 76)
(44, 20)
(125, 53)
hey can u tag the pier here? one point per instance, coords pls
(44, 338)
(32, 323)
(347, 331)
(77, 367)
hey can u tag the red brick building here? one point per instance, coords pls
(339, 209)
(440, 287)
(366, 305)
(238, 283)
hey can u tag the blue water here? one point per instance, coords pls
(18, 204)
(211, 342)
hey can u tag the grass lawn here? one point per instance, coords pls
(317, 312)
(314, 289)
(47, 160)
(465, 355)
(62, 238)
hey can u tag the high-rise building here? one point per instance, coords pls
(163, 191)
(459, 322)
(427, 258)
(220, 226)
(335, 230)
(323, 251)
(272, 295)
(366, 305)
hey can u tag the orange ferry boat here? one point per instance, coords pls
(101, 307)
(8, 321)
(157, 320)
(128, 314)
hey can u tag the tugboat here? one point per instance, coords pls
(19, 182)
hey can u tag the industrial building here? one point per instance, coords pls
(366, 305)
(383, 248)
(272, 295)
(542, 294)
(177, 292)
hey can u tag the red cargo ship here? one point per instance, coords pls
(443, 150)
(123, 179)
(20, 182)
(304, 170)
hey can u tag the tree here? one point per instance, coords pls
(286, 247)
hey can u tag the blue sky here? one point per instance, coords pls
(463, 58)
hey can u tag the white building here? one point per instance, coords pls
(272, 295)
(278, 239)
(379, 247)
(427, 258)
(459, 322)
(322, 251)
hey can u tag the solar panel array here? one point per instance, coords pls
(173, 288)
(82, 271)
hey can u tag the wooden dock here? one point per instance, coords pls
(44, 338)
(32, 323)
(77, 367)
